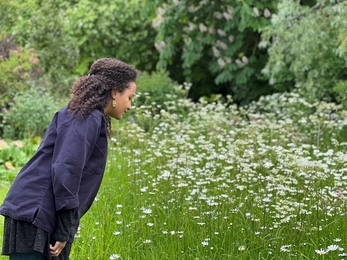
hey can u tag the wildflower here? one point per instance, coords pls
(285, 248)
(116, 233)
(114, 256)
(333, 248)
(146, 211)
(147, 241)
(321, 252)
(242, 247)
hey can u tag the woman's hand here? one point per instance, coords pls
(57, 248)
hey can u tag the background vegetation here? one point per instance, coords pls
(239, 129)
(245, 48)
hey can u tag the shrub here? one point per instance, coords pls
(154, 87)
(213, 44)
(307, 47)
(42, 25)
(17, 67)
(157, 93)
(28, 114)
(111, 28)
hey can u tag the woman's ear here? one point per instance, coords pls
(114, 93)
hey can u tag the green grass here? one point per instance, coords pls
(218, 185)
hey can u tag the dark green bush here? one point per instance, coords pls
(111, 28)
(154, 88)
(28, 114)
(157, 92)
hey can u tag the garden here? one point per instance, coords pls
(242, 167)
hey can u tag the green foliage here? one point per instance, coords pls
(214, 40)
(69, 35)
(243, 185)
(17, 67)
(154, 87)
(307, 47)
(28, 114)
(111, 28)
(13, 156)
(8, 14)
(46, 30)
(158, 94)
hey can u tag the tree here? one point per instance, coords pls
(307, 48)
(112, 28)
(69, 35)
(213, 42)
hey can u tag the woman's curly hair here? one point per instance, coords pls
(94, 90)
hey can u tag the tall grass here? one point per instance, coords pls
(265, 181)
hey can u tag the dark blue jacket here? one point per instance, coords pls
(65, 172)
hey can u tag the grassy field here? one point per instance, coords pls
(264, 182)
(267, 181)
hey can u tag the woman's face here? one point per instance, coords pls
(123, 102)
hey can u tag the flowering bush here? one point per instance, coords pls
(216, 42)
(307, 47)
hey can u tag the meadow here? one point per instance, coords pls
(207, 180)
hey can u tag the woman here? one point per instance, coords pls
(59, 183)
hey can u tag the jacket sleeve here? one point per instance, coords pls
(65, 219)
(74, 144)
